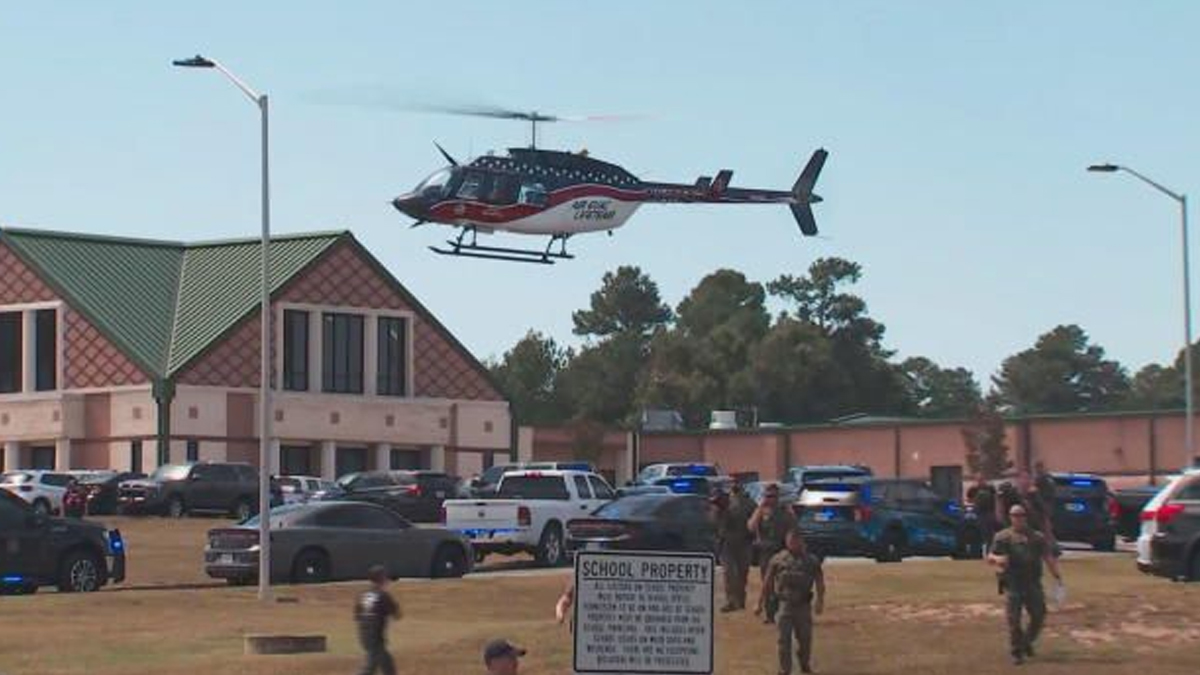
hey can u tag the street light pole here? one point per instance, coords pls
(1181, 199)
(264, 393)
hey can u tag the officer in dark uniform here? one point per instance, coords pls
(796, 581)
(730, 514)
(770, 524)
(374, 608)
(1018, 553)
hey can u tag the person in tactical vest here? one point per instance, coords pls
(797, 582)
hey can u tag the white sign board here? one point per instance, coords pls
(644, 612)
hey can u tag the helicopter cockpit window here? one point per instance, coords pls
(438, 181)
(474, 186)
(533, 194)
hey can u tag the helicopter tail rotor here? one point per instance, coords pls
(802, 191)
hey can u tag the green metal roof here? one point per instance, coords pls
(162, 302)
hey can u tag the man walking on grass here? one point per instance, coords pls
(1017, 553)
(374, 608)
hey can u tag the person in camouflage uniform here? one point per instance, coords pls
(1018, 553)
(796, 581)
(730, 514)
(770, 524)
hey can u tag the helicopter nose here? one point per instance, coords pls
(407, 204)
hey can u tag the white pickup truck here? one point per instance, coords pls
(529, 514)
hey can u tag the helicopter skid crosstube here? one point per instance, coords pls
(541, 257)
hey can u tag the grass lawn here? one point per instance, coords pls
(914, 617)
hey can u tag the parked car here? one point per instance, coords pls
(886, 519)
(1084, 511)
(179, 489)
(529, 514)
(646, 522)
(335, 541)
(298, 489)
(1169, 545)
(95, 494)
(684, 478)
(1129, 505)
(40, 550)
(484, 485)
(799, 477)
(415, 495)
(788, 492)
(44, 490)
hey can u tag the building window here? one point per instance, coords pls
(193, 451)
(295, 350)
(135, 456)
(46, 349)
(342, 353)
(393, 357)
(10, 352)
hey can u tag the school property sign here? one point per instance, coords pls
(643, 612)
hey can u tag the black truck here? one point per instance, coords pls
(37, 550)
(176, 490)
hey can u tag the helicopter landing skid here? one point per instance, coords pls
(473, 250)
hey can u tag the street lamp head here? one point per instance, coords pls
(1103, 168)
(196, 61)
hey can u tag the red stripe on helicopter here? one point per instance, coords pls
(489, 213)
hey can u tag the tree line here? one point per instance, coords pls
(821, 358)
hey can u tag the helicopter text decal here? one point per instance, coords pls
(593, 209)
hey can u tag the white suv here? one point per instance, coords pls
(43, 489)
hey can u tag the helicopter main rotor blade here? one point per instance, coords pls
(445, 154)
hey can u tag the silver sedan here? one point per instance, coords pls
(335, 541)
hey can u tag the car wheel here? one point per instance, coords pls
(82, 572)
(311, 567)
(242, 510)
(550, 548)
(891, 548)
(42, 507)
(1109, 543)
(175, 508)
(449, 562)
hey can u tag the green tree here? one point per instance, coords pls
(933, 391)
(987, 448)
(796, 377)
(528, 374)
(701, 364)
(599, 382)
(1062, 372)
(626, 303)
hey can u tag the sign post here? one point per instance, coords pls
(643, 613)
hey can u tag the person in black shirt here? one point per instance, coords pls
(374, 608)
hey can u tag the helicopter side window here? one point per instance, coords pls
(473, 186)
(533, 194)
(504, 190)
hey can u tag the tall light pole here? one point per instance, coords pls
(1189, 437)
(264, 390)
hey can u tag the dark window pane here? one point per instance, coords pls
(135, 455)
(533, 487)
(295, 350)
(10, 352)
(46, 349)
(342, 353)
(393, 359)
(193, 451)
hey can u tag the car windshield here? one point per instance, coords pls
(834, 486)
(278, 515)
(827, 474)
(533, 487)
(631, 507)
(170, 472)
(96, 478)
(16, 478)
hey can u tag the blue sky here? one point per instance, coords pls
(958, 134)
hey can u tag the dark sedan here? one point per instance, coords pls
(95, 494)
(335, 541)
(415, 495)
(646, 522)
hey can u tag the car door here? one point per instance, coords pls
(586, 500)
(937, 520)
(201, 490)
(699, 534)
(22, 541)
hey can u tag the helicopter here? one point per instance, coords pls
(559, 194)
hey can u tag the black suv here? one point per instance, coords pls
(37, 550)
(1083, 510)
(179, 489)
(415, 495)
